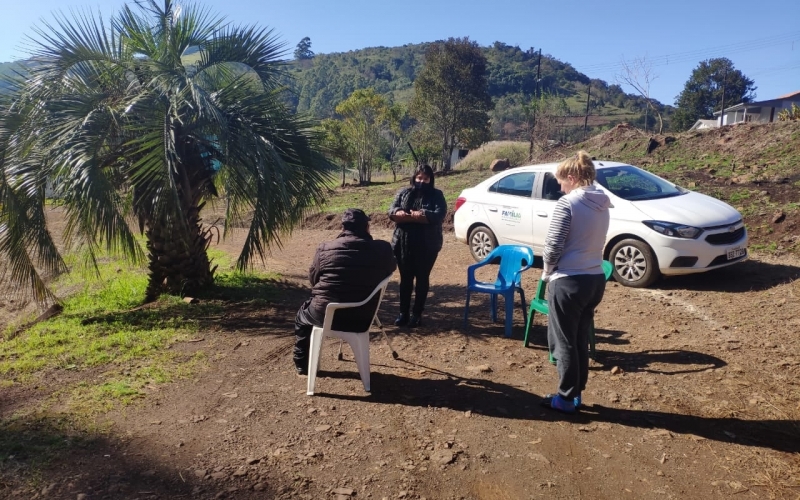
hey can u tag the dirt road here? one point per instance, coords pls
(704, 403)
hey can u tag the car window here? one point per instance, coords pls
(520, 184)
(551, 189)
(631, 183)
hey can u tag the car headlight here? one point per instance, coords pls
(674, 230)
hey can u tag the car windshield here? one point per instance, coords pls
(634, 184)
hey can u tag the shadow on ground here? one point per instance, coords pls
(664, 362)
(747, 276)
(43, 458)
(246, 304)
(493, 399)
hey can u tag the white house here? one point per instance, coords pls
(457, 155)
(758, 112)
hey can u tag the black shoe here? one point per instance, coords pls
(302, 368)
(401, 320)
(415, 321)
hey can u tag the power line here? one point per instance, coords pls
(775, 69)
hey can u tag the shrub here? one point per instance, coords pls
(788, 115)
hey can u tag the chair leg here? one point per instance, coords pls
(509, 303)
(524, 310)
(313, 358)
(360, 345)
(528, 323)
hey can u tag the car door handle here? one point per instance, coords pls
(492, 209)
(541, 214)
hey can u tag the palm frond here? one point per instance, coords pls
(256, 49)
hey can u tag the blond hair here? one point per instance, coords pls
(579, 166)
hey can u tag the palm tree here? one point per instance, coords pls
(144, 121)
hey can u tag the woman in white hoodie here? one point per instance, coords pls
(573, 256)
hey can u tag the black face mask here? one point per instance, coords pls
(422, 186)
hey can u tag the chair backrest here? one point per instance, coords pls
(608, 268)
(332, 307)
(513, 259)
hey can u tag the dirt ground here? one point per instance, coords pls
(702, 402)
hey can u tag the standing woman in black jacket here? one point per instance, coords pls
(418, 211)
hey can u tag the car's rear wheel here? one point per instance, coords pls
(481, 242)
(634, 263)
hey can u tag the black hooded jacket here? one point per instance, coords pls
(348, 269)
(416, 237)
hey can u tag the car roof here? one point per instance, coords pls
(552, 166)
(539, 167)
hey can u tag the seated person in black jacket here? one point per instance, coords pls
(346, 269)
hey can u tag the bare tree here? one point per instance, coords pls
(551, 112)
(638, 74)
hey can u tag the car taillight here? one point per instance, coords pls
(459, 201)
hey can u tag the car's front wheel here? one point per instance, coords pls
(634, 263)
(481, 242)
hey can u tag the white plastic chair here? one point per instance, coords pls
(358, 341)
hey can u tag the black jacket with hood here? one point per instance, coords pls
(348, 269)
(418, 237)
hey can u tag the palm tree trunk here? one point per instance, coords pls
(178, 265)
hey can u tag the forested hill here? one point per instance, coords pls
(322, 82)
(6, 68)
(325, 80)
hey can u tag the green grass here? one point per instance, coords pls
(105, 328)
(739, 196)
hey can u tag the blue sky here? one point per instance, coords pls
(761, 38)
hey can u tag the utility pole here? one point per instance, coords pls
(586, 118)
(722, 110)
(535, 102)
(538, 71)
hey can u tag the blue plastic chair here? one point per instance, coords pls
(539, 304)
(514, 259)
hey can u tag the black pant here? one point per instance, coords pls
(572, 300)
(304, 322)
(417, 265)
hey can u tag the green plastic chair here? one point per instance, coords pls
(539, 304)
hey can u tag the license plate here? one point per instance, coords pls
(735, 253)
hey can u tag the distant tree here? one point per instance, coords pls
(451, 93)
(702, 94)
(638, 74)
(394, 135)
(335, 145)
(303, 50)
(364, 118)
(551, 112)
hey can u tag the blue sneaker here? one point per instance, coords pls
(559, 404)
(577, 402)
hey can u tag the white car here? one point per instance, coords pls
(657, 228)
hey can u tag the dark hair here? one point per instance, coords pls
(423, 169)
(355, 219)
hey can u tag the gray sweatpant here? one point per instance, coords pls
(571, 301)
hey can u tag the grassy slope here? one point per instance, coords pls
(755, 168)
